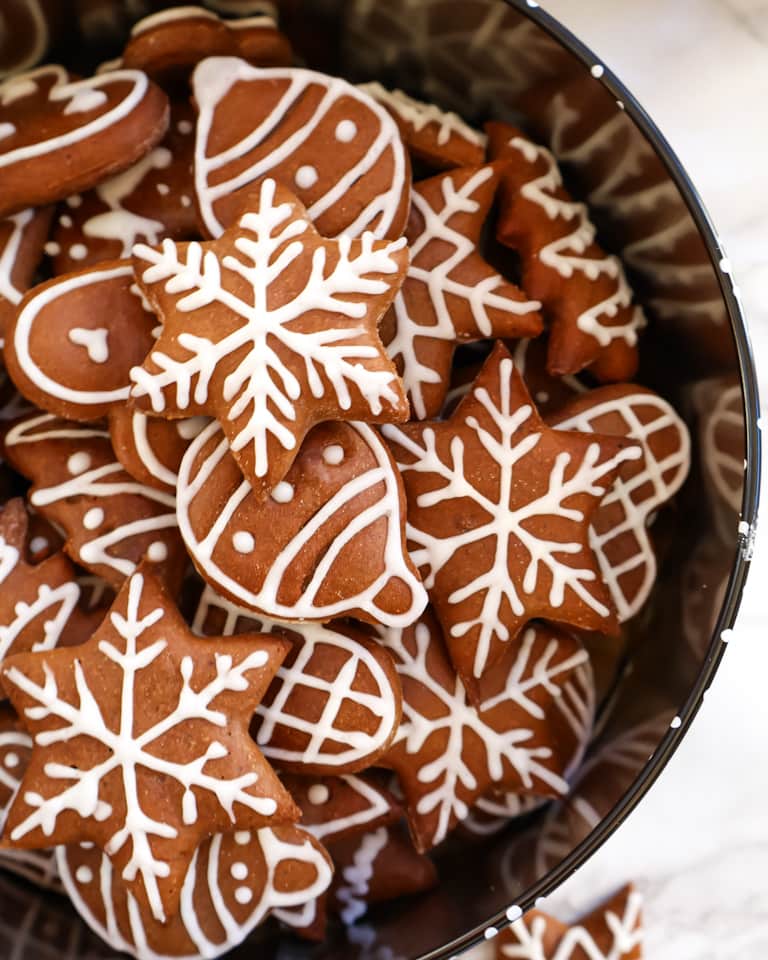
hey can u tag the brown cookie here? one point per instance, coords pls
(451, 295)
(320, 136)
(151, 200)
(59, 136)
(22, 238)
(527, 735)
(587, 299)
(335, 703)
(610, 932)
(235, 881)
(183, 704)
(270, 329)
(111, 522)
(28, 28)
(500, 507)
(436, 137)
(329, 541)
(74, 340)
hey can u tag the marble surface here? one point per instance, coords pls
(698, 844)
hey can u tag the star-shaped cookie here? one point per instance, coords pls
(141, 742)
(271, 329)
(500, 507)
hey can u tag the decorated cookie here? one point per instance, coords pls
(611, 932)
(151, 200)
(184, 705)
(527, 734)
(110, 521)
(71, 345)
(22, 238)
(333, 144)
(232, 884)
(26, 30)
(169, 44)
(38, 603)
(271, 333)
(619, 531)
(335, 703)
(59, 136)
(593, 319)
(328, 541)
(149, 448)
(450, 294)
(500, 507)
(436, 137)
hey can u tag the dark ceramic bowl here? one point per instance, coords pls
(492, 59)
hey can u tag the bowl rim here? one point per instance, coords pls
(750, 498)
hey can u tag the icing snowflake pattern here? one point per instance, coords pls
(269, 335)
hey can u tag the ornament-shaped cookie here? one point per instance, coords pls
(61, 136)
(500, 507)
(270, 329)
(450, 295)
(183, 703)
(320, 136)
(329, 541)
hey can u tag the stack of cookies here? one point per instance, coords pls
(324, 482)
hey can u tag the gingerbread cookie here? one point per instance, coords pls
(527, 734)
(436, 137)
(619, 531)
(329, 541)
(149, 448)
(450, 294)
(593, 319)
(319, 135)
(271, 329)
(110, 521)
(183, 703)
(169, 44)
(500, 507)
(59, 136)
(74, 340)
(151, 200)
(22, 238)
(26, 29)
(335, 703)
(611, 932)
(234, 882)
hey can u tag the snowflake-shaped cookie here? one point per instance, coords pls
(271, 329)
(451, 295)
(500, 507)
(141, 742)
(528, 732)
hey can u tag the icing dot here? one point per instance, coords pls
(52, 248)
(676, 723)
(74, 201)
(283, 492)
(243, 895)
(346, 131)
(242, 837)
(163, 189)
(185, 200)
(542, 396)
(243, 541)
(94, 518)
(65, 220)
(514, 913)
(78, 251)
(157, 552)
(597, 71)
(11, 760)
(37, 544)
(84, 874)
(490, 933)
(318, 794)
(189, 429)
(727, 635)
(306, 177)
(239, 871)
(333, 455)
(184, 126)
(78, 463)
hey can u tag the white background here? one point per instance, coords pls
(698, 844)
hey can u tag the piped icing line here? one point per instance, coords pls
(356, 877)
(41, 35)
(172, 15)
(9, 254)
(421, 115)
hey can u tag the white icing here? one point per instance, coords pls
(421, 115)
(508, 441)
(172, 15)
(74, 201)
(163, 189)
(145, 451)
(212, 80)
(333, 454)
(65, 220)
(52, 248)
(84, 875)
(85, 100)
(242, 837)
(306, 607)
(188, 429)
(306, 177)
(263, 383)
(185, 127)
(185, 200)
(482, 298)
(283, 492)
(243, 895)
(39, 35)
(243, 541)
(93, 519)
(357, 876)
(11, 760)
(94, 340)
(265, 20)
(157, 552)
(318, 794)
(38, 544)
(78, 463)
(19, 222)
(78, 251)
(6, 130)
(346, 131)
